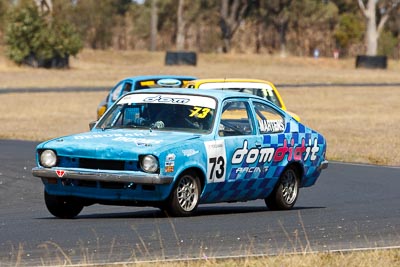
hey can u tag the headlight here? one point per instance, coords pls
(48, 158)
(149, 163)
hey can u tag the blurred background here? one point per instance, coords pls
(32, 31)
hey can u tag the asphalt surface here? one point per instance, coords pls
(106, 89)
(350, 207)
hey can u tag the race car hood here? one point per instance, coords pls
(116, 144)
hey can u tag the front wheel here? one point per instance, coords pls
(286, 191)
(62, 207)
(185, 197)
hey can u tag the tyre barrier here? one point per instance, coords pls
(180, 58)
(56, 62)
(371, 62)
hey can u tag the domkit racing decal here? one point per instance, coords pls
(269, 154)
(257, 161)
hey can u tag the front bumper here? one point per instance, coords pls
(102, 175)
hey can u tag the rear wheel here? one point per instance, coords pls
(185, 197)
(62, 207)
(286, 191)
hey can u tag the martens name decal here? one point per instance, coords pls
(271, 126)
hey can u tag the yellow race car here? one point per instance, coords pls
(260, 88)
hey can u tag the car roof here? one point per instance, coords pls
(156, 77)
(229, 80)
(218, 94)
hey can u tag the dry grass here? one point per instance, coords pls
(40, 116)
(370, 258)
(366, 259)
(105, 68)
(360, 123)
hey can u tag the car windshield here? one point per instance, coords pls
(173, 112)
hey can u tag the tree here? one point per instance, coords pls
(180, 29)
(374, 24)
(311, 27)
(33, 40)
(4, 6)
(95, 21)
(232, 13)
(44, 5)
(278, 9)
(153, 25)
(349, 30)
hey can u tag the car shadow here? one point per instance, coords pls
(213, 210)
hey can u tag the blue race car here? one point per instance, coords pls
(177, 149)
(131, 84)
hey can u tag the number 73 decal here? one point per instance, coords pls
(199, 112)
(216, 161)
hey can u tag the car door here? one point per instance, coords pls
(275, 147)
(231, 173)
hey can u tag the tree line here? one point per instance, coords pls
(287, 27)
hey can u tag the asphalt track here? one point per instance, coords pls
(350, 207)
(106, 89)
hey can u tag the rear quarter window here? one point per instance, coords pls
(269, 120)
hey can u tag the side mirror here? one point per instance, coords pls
(92, 124)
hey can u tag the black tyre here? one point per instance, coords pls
(184, 199)
(286, 191)
(62, 207)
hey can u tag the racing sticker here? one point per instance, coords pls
(90, 135)
(292, 150)
(189, 152)
(60, 173)
(170, 163)
(216, 161)
(190, 100)
(138, 141)
(271, 126)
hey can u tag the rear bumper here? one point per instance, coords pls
(102, 176)
(323, 165)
